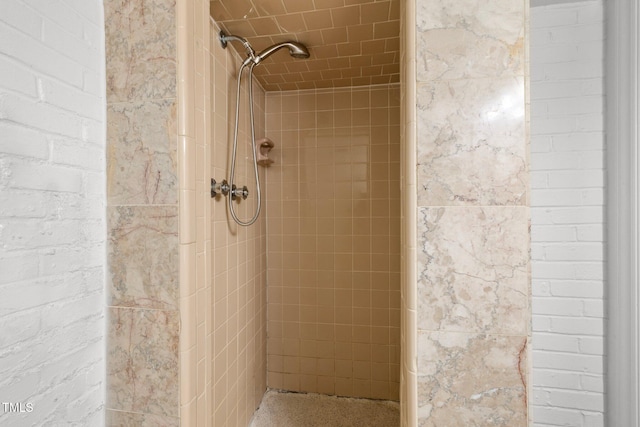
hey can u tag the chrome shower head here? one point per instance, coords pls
(296, 50)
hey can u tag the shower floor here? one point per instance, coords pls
(281, 409)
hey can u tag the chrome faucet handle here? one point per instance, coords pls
(239, 192)
(219, 188)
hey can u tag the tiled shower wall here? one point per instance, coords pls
(333, 238)
(473, 292)
(238, 256)
(194, 131)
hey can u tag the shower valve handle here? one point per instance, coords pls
(239, 192)
(219, 187)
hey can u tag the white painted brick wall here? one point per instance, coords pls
(567, 169)
(52, 211)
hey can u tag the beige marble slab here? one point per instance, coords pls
(473, 269)
(500, 19)
(129, 419)
(468, 380)
(459, 53)
(470, 39)
(142, 361)
(143, 256)
(140, 44)
(472, 148)
(142, 153)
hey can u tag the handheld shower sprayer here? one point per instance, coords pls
(296, 50)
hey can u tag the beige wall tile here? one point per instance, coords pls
(238, 261)
(326, 194)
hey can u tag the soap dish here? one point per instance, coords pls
(264, 146)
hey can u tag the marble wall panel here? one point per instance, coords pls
(140, 44)
(473, 150)
(445, 59)
(470, 39)
(498, 19)
(143, 362)
(142, 153)
(473, 269)
(143, 257)
(129, 419)
(472, 224)
(469, 380)
(143, 225)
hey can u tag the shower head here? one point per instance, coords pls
(296, 50)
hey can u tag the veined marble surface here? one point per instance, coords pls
(472, 147)
(470, 39)
(143, 256)
(472, 212)
(140, 42)
(143, 387)
(130, 419)
(143, 362)
(473, 273)
(469, 380)
(499, 19)
(446, 59)
(142, 153)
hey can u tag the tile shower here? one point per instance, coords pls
(333, 241)
(203, 314)
(238, 308)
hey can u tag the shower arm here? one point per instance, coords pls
(225, 39)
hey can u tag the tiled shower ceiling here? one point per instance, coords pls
(352, 42)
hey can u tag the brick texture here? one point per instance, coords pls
(52, 226)
(567, 167)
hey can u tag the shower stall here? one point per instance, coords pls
(360, 239)
(330, 230)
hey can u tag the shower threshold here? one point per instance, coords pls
(286, 409)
